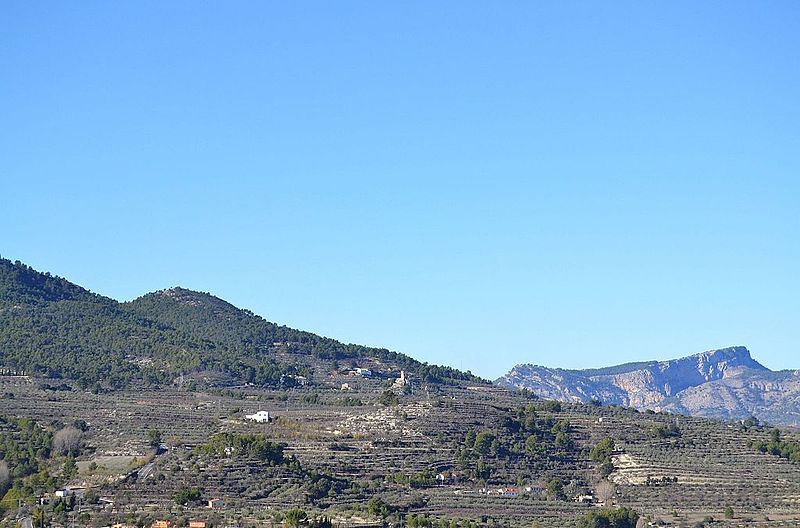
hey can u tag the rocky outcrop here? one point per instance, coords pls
(724, 383)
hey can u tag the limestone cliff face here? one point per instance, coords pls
(724, 383)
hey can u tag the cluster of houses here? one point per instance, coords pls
(212, 503)
(167, 524)
(516, 491)
(358, 371)
(504, 491)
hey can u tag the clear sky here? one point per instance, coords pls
(478, 184)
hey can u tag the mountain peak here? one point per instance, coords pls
(722, 359)
(645, 385)
(191, 298)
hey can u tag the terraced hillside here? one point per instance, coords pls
(349, 455)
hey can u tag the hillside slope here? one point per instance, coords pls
(53, 328)
(726, 383)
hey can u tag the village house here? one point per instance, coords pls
(260, 417)
(69, 491)
(160, 524)
(215, 504)
(197, 524)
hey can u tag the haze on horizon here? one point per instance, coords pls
(569, 185)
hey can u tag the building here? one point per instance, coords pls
(402, 381)
(260, 417)
(215, 504)
(160, 524)
(197, 524)
(77, 491)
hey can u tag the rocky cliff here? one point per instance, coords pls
(724, 383)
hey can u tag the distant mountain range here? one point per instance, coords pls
(726, 383)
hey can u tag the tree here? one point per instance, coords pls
(154, 438)
(377, 507)
(5, 476)
(555, 490)
(563, 440)
(39, 518)
(482, 470)
(604, 491)
(602, 453)
(483, 442)
(388, 398)
(67, 441)
(186, 495)
(775, 436)
(70, 470)
(295, 517)
(530, 445)
(603, 450)
(729, 513)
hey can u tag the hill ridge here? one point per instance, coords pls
(718, 383)
(51, 327)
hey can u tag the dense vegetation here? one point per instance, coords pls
(778, 447)
(609, 518)
(28, 453)
(601, 453)
(50, 327)
(247, 445)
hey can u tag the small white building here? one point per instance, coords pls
(260, 417)
(216, 504)
(69, 491)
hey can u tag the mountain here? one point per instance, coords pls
(50, 327)
(726, 383)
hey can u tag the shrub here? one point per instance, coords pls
(622, 517)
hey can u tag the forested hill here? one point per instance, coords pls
(53, 328)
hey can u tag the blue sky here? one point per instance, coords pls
(472, 183)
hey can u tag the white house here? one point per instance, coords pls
(78, 491)
(260, 417)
